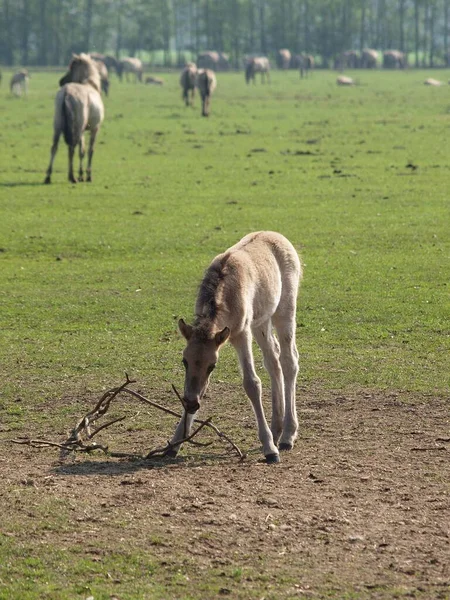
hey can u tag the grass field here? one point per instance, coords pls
(93, 278)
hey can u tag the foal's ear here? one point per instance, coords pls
(222, 336)
(185, 329)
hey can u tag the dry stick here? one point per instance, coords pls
(214, 428)
(170, 446)
(75, 443)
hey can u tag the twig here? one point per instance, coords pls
(82, 433)
(170, 446)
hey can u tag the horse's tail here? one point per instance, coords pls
(68, 120)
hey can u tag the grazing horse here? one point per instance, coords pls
(104, 77)
(305, 64)
(206, 83)
(259, 64)
(187, 82)
(246, 291)
(369, 58)
(394, 59)
(78, 107)
(284, 58)
(131, 65)
(19, 83)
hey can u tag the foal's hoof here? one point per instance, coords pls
(272, 459)
(47, 180)
(171, 453)
(285, 446)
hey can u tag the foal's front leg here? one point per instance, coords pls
(182, 431)
(252, 386)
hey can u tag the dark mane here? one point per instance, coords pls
(207, 294)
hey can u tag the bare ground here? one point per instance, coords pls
(359, 509)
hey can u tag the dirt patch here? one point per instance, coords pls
(361, 505)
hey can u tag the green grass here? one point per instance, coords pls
(93, 276)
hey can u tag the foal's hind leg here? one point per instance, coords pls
(271, 353)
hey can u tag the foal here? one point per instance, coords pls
(246, 291)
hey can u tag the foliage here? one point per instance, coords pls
(46, 32)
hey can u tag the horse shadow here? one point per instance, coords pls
(117, 468)
(14, 184)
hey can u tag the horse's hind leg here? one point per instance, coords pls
(91, 154)
(52, 157)
(271, 354)
(71, 155)
(81, 155)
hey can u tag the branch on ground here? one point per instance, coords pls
(80, 438)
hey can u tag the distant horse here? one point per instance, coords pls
(19, 83)
(78, 106)
(246, 291)
(394, 59)
(259, 64)
(109, 61)
(369, 58)
(305, 64)
(283, 58)
(433, 82)
(150, 80)
(131, 65)
(343, 80)
(104, 76)
(187, 82)
(206, 83)
(349, 59)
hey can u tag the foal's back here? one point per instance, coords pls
(253, 280)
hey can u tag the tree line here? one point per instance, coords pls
(168, 32)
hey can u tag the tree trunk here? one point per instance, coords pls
(119, 29)
(8, 34)
(401, 9)
(362, 29)
(262, 26)
(446, 16)
(43, 34)
(25, 24)
(88, 26)
(432, 43)
(416, 32)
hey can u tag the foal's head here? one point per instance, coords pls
(199, 359)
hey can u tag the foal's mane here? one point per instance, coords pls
(207, 294)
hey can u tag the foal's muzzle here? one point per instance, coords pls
(191, 407)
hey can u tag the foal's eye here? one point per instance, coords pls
(211, 368)
(185, 363)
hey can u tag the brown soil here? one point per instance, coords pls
(360, 506)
